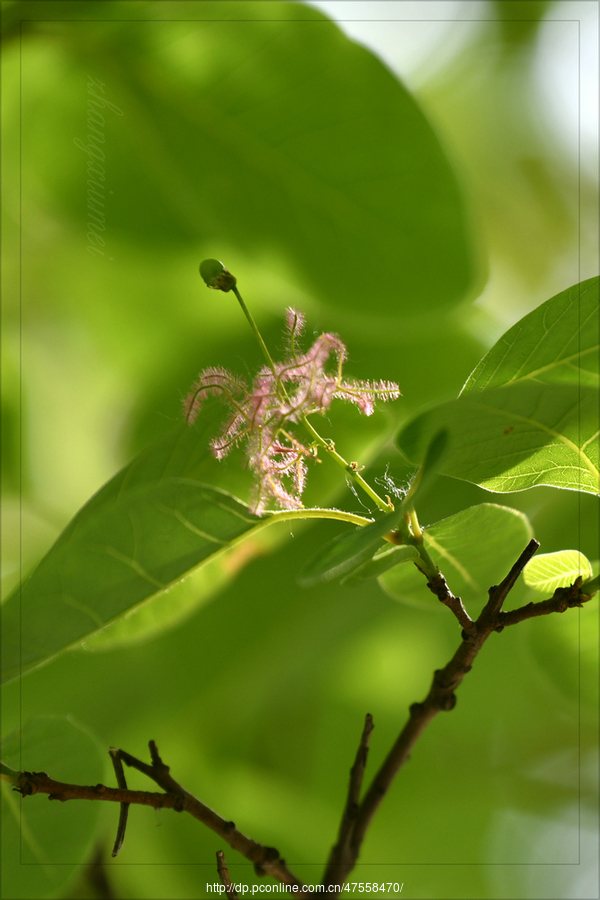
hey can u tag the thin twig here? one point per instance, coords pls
(122, 783)
(224, 876)
(340, 851)
(498, 593)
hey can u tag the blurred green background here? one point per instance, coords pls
(416, 224)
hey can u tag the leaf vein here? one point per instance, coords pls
(190, 525)
(137, 568)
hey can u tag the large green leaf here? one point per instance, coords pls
(154, 523)
(44, 843)
(515, 437)
(528, 414)
(558, 342)
(258, 125)
(474, 549)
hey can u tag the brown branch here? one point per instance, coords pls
(442, 697)
(563, 598)
(29, 783)
(266, 860)
(340, 851)
(224, 876)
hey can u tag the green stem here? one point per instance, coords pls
(350, 470)
(254, 328)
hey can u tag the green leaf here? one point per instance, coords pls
(556, 343)
(549, 571)
(528, 415)
(515, 437)
(473, 549)
(271, 116)
(149, 526)
(43, 844)
(347, 552)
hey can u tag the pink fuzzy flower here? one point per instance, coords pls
(214, 380)
(295, 388)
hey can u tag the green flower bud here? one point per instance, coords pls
(216, 275)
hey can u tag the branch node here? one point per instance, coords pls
(26, 787)
(448, 702)
(269, 854)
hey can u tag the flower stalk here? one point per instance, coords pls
(254, 328)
